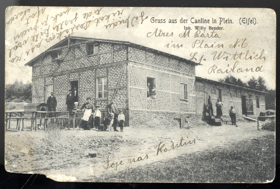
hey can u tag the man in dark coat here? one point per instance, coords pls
(70, 101)
(52, 103)
(111, 108)
(232, 114)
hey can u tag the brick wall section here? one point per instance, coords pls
(169, 74)
(60, 74)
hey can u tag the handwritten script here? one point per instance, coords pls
(161, 148)
(39, 27)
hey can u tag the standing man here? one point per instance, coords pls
(51, 103)
(70, 101)
(111, 108)
(232, 114)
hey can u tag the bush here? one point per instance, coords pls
(18, 92)
(270, 126)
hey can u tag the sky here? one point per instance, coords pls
(237, 32)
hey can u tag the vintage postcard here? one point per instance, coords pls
(126, 94)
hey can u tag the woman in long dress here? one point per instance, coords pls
(210, 107)
(219, 106)
(87, 118)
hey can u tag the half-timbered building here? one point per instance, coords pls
(145, 83)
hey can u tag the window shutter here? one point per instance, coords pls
(185, 91)
(182, 91)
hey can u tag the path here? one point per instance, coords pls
(67, 150)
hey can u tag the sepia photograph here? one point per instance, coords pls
(141, 94)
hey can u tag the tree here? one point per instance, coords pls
(241, 83)
(253, 83)
(233, 80)
(18, 92)
(261, 84)
(270, 98)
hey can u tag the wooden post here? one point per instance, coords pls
(74, 121)
(35, 120)
(258, 127)
(22, 122)
(55, 118)
(19, 121)
(44, 123)
(40, 119)
(31, 120)
(68, 120)
(10, 120)
(7, 121)
(17, 126)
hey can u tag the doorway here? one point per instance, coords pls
(243, 103)
(74, 90)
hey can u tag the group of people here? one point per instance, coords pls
(208, 110)
(92, 115)
(115, 117)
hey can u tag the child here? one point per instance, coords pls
(121, 119)
(109, 122)
(97, 117)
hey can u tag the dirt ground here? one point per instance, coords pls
(65, 155)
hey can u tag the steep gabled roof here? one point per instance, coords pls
(200, 79)
(62, 42)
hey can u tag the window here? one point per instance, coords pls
(258, 101)
(184, 92)
(56, 55)
(220, 95)
(101, 87)
(151, 87)
(92, 48)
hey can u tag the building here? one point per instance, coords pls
(144, 82)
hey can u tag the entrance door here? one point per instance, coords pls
(243, 101)
(48, 90)
(74, 89)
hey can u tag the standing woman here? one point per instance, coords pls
(88, 112)
(219, 106)
(210, 107)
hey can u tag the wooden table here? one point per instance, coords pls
(20, 118)
(43, 115)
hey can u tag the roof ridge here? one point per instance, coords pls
(29, 63)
